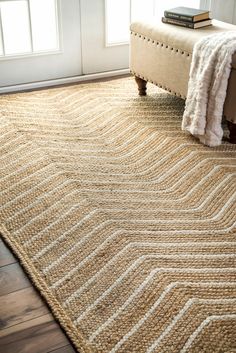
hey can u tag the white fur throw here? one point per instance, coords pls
(209, 74)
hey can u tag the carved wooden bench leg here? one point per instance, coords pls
(142, 85)
(232, 132)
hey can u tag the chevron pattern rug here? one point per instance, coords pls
(124, 223)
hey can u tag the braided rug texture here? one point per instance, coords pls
(124, 223)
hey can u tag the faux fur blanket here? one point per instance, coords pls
(209, 74)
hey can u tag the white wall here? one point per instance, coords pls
(223, 10)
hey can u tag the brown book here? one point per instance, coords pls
(187, 24)
(187, 14)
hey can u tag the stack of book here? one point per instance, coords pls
(187, 17)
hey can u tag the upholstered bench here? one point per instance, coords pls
(162, 53)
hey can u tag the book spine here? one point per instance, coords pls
(178, 16)
(178, 23)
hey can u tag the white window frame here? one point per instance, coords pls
(33, 53)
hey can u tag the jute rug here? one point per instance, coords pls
(125, 224)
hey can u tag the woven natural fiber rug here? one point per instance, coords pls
(124, 223)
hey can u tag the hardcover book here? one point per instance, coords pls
(187, 24)
(187, 13)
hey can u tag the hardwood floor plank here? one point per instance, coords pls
(20, 306)
(39, 335)
(26, 325)
(6, 257)
(12, 278)
(66, 349)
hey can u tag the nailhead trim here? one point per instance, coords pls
(158, 84)
(161, 44)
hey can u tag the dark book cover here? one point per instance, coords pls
(187, 24)
(187, 14)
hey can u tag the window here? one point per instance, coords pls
(28, 27)
(120, 13)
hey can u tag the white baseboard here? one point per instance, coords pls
(61, 81)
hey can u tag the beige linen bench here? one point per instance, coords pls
(162, 53)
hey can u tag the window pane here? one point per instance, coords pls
(141, 9)
(118, 21)
(44, 24)
(16, 27)
(161, 6)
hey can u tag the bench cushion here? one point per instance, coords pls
(180, 37)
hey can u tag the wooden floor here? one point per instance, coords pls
(26, 325)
